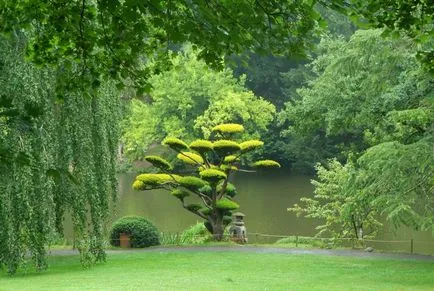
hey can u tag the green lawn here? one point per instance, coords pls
(200, 270)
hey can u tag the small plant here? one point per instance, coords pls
(142, 232)
(196, 234)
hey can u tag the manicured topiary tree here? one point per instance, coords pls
(212, 161)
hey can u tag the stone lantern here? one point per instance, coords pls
(237, 230)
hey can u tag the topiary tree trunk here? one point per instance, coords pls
(214, 160)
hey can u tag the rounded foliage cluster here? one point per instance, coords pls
(191, 182)
(226, 204)
(228, 128)
(266, 164)
(250, 145)
(231, 159)
(153, 180)
(159, 162)
(180, 194)
(201, 145)
(230, 189)
(226, 146)
(190, 158)
(175, 144)
(212, 175)
(142, 232)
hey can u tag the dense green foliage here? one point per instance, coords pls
(190, 100)
(210, 170)
(370, 104)
(356, 83)
(400, 18)
(59, 122)
(56, 156)
(366, 100)
(346, 213)
(142, 232)
(117, 38)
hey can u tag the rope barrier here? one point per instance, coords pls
(255, 237)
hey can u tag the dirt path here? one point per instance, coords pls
(260, 249)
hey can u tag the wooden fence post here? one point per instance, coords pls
(296, 241)
(411, 246)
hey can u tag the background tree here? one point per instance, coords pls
(215, 160)
(188, 101)
(372, 103)
(354, 85)
(346, 213)
(401, 18)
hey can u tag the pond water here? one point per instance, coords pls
(263, 197)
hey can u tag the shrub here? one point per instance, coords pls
(196, 234)
(193, 183)
(142, 232)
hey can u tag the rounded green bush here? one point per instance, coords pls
(146, 181)
(180, 194)
(142, 232)
(230, 189)
(230, 159)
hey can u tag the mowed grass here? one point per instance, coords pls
(199, 270)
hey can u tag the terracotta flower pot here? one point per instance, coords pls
(124, 240)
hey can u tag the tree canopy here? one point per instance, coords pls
(371, 103)
(188, 101)
(118, 38)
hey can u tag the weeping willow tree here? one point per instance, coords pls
(57, 156)
(212, 162)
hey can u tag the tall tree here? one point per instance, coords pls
(373, 101)
(357, 83)
(215, 160)
(56, 156)
(188, 101)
